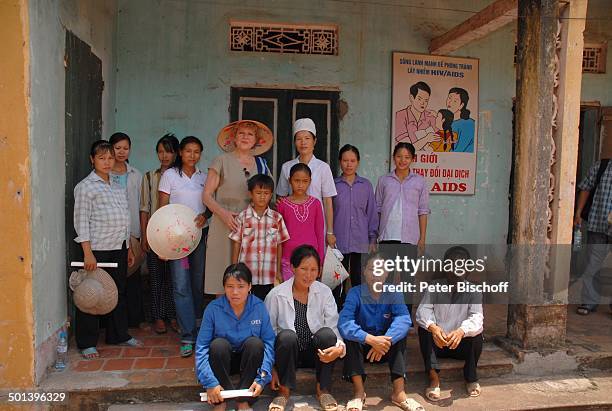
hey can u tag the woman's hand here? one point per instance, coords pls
(331, 240)
(421, 247)
(275, 384)
(131, 257)
(200, 220)
(214, 395)
(229, 219)
(89, 261)
(329, 354)
(256, 388)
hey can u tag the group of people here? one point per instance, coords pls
(262, 258)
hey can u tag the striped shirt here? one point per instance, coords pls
(101, 214)
(602, 199)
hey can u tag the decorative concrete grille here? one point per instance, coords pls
(594, 58)
(284, 38)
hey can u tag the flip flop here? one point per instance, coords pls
(160, 327)
(473, 389)
(186, 350)
(354, 404)
(432, 393)
(90, 353)
(175, 327)
(408, 405)
(278, 403)
(132, 342)
(584, 310)
(328, 402)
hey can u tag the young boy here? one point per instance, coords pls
(258, 238)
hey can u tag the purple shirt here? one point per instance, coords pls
(355, 215)
(415, 202)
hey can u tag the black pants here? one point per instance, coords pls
(352, 264)
(261, 290)
(288, 357)
(469, 350)
(355, 356)
(225, 362)
(133, 292)
(87, 326)
(391, 250)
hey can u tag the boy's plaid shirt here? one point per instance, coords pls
(259, 238)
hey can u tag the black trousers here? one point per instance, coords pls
(133, 291)
(356, 355)
(261, 290)
(224, 362)
(288, 357)
(391, 250)
(352, 264)
(87, 326)
(469, 350)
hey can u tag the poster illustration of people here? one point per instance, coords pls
(435, 107)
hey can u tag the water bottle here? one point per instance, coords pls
(62, 351)
(577, 239)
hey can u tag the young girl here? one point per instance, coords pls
(355, 215)
(130, 179)
(102, 224)
(303, 216)
(447, 137)
(322, 182)
(162, 300)
(402, 198)
(183, 184)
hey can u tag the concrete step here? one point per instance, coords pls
(90, 389)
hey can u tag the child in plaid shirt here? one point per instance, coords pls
(258, 238)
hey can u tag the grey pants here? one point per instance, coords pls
(599, 245)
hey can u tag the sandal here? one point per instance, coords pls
(132, 342)
(584, 310)
(186, 349)
(408, 405)
(473, 389)
(160, 327)
(355, 404)
(432, 393)
(90, 353)
(328, 402)
(278, 403)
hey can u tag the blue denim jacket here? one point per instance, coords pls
(220, 321)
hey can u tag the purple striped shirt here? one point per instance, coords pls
(415, 202)
(355, 215)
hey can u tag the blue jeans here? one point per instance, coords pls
(188, 284)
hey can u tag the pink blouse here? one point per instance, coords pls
(305, 225)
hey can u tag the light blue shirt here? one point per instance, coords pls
(465, 135)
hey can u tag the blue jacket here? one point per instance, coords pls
(362, 315)
(220, 321)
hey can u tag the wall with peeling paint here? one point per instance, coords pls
(16, 318)
(94, 22)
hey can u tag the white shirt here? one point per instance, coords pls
(469, 317)
(321, 184)
(321, 312)
(184, 190)
(393, 230)
(134, 182)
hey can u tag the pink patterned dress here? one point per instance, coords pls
(305, 225)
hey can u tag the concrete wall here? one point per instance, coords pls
(175, 73)
(93, 21)
(16, 319)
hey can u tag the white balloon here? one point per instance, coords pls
(172, 233)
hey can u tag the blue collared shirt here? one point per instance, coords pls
(362, 315)
(220, 321)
